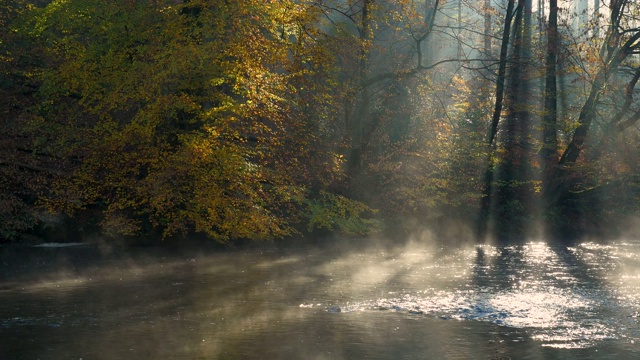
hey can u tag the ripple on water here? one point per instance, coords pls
(556, 318)
(564, 298)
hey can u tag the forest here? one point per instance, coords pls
(482, 120)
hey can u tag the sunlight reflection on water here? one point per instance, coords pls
(563, 297)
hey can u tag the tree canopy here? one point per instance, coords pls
(262, 119)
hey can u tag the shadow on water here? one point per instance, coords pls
(563, 297)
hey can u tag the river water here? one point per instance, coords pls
(414, 301)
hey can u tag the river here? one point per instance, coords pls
(362, 301)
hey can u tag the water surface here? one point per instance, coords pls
(531, 301)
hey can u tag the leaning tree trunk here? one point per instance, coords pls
(485, 204)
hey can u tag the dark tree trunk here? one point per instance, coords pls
(512, 203)
(485, 204)
(502, 71)
(356, 128)
(549, 151)
(487, 28)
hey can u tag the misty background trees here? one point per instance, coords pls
(262, 119)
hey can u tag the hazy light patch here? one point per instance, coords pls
(488, 250)
(214, 268)
(279, 262)
(362, 269)
(629, 257)
(539, 253)
(58, 245)
(68, 279)
(64, 283)
(390, 269)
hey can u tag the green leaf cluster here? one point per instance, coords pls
(349, 217)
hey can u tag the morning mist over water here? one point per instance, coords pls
(308, 302)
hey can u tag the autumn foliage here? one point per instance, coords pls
(262, 119)
(180, 117)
